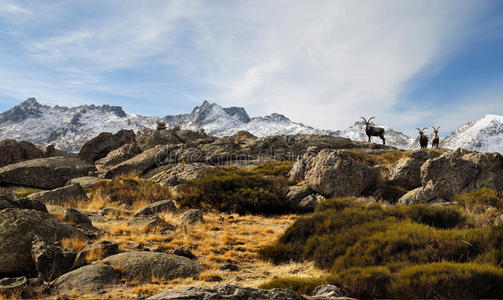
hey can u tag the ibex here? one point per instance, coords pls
(423, 139)
(436, 139)
(373, 131)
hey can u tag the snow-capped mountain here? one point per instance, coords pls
(484, 135)
(392, 136)
(67, 128)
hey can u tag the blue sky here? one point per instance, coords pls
(323, 63)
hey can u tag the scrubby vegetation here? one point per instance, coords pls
(362, 245)
(130, 191)
(386, 159)
(239, 191)
(481, 199)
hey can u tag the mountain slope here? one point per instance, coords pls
(485, 135)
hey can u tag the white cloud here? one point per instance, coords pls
(323, 63)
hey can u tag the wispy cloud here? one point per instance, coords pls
(323, 63)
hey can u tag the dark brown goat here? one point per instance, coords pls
(436, 139)
(373, 131)
(423, 139)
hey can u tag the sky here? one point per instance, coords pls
(323, 63)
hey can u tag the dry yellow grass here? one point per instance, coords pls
(224, 238)
(74, 243)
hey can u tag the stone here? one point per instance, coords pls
(228, 291)
(229, 267)
(85, 181)
(407, 171)
(18, 228)
(96, 251)
(328, 291)
(334, 173)
(44, 173)
(184, 252)
(12, 151)
(157, 208)
(143, 266)
(139, 164)
(309, 203)
(297, 193)
(147, 139)
(105, 142)
(27, 203)
(180, 173)
(89, 279)
(117, 156)
(192, 216)
(50, 261)
(12, 287)
(456, 172)
(61, 196)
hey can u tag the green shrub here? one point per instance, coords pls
(481, 198)
(338, 224)
(365, 283)
(274, 168)
(448, 280)
(236, 191)
(386, 159)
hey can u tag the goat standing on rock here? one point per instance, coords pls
(436, 139)
(374, 131)
(423, 139)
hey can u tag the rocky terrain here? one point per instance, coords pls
(182, 214)
(69, 128)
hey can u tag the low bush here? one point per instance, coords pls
(338, 224)
(386, 159)
(236, 191)
(304, 286)
(481, 198)
(448, 281)
(128, 190)
(274, 168)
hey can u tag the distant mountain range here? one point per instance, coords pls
(69, 128)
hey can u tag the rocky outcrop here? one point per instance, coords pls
(117, 156)
(8, 201)
(105, 142)
(143, 266)
(12, 151)
(228, 291)
(61, 196)
(139, 164)
(180, 173)
(457, 172)
(88, 279)
(96, 251)
(85, 181)
(192, 216)
(147, 139)
(44, 173)
(328, 291)
(309, 203)
(334, 173)
(156, 208)
(407, 171)
(18, 228)
(296, 193)
(50, 260)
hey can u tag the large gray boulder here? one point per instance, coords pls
(18, 228)
(139, 164)
(296, 193)
(456, 172)
(8, 201)
(143, 266)
(12, 151)
(89, 279)
(180, 173)
(157, 208)
(117, 156)
(334, 173)
(407, 171)
(50, 260)
(61, 196)
(228, 291)
(44, 173)
(148, 138)
(85, 181)
(105, 142)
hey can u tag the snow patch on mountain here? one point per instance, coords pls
(485, 135)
